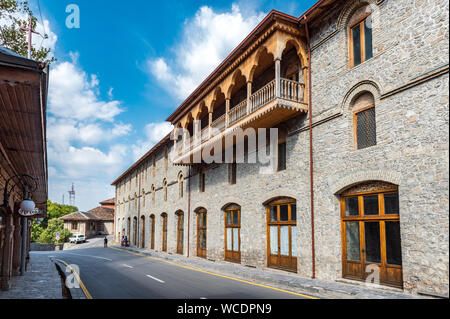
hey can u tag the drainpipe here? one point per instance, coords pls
(189, 211)
(311, 159)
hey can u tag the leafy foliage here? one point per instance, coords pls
(45, 232)
(14, 15)
(48, 236)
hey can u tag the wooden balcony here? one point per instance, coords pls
(267, 107)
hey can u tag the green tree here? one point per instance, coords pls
(48, 236)
(14, 15)
(45, 232)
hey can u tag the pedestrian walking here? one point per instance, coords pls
(105, 242)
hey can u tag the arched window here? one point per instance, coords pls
(282, 234)
(370, 215)
(143, 197)
(152, 232)
(166, 158)
(233, 233)
(164, 231)
(180, 232)
(153, 194)
(201, 232)
(360, 36)
(181, 185)
(364, 121)
(165, 190)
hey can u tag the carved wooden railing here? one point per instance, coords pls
(219, 124)
(291, 90)
(262, 96)
(238, 112)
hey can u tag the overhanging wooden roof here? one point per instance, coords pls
(23, 100)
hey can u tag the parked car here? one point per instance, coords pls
(77, 239)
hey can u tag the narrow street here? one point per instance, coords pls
(109, 273)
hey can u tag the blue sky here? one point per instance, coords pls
(121, 74)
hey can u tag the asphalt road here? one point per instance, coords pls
(113, 274)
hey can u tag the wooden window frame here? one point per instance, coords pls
(235, 256)
(164, 232)
(278, 223)
(232, 173)
(355, 125)
(181, 186)
(201, 228)
(76, 226)
(202, 182)
(381, 218)
(360, 24)
(165, 190)
(180, 233)
(152, 232)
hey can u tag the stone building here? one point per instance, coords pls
(97, 221)
(358, 91)
(23, 157)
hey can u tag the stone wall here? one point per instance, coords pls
(46, 247)
(410, 41)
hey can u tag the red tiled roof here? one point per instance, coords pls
(98, 213)
(110, 201)
(101, 213)
(75, 216)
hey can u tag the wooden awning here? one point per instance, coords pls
(23, 99)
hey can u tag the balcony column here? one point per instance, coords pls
(249, 96)
(227, 112)
(210, 123)
(277, 77)
(196, 132)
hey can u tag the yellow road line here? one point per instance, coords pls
(77, 277)
(214, 274)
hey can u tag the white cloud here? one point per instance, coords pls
(73, 94)
(207, 39)
(153, 132)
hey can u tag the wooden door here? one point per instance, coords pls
(201, 234)
(232, 235)
(152, 232)
(135, 231)
(164, 232)
(282, 235)
(143, 232)
(371, 243)
(180, 233)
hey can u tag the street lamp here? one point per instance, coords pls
(27, 206)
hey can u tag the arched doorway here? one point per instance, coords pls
(129, 230)
(135, 231)
(164, 231)
(143, 232)
(180, 232)
(152, 232)
(233, 233)
(371, 243)
(282, 234)
(201, 232)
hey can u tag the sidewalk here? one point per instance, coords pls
(279, 279)
(41, 281)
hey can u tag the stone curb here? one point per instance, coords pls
(327, 289)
